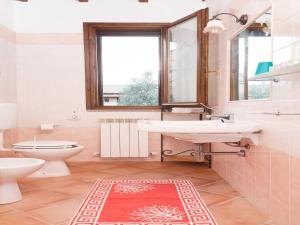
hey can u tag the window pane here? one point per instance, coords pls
(130, 70)
(183, 62)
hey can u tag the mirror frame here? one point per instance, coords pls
(228, 61)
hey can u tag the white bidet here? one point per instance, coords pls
(12, 169)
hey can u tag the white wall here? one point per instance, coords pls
(57, 16)
(8, 86)
(7, 13)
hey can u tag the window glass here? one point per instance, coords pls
(182, 77)
(129, 67)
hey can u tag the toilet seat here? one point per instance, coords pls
(45, 145)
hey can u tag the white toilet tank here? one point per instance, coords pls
(8, 115)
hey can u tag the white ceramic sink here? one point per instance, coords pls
(207, 131)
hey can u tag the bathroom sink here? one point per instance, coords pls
(206, 131)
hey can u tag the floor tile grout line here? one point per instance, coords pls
(228, 200)
(32, 217)
(216, 193)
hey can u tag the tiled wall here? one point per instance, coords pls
(269, 176)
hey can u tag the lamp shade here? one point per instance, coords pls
(214, 26)
(263, 67)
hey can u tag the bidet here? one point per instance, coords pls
(11, 169)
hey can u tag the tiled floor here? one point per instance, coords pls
(55, 200)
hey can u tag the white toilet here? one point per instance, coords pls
(12, 169)
(53, 152)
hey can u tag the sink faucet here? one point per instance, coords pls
(226, 118)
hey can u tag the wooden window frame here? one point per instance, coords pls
(129, 32)
(91, 71)
(202, 61)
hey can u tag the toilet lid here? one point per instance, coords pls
(45, 144)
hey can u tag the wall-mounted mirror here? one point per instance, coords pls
(249, 49)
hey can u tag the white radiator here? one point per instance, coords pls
(120, 138)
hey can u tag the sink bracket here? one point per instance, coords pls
(198, 154)
(169, 152)
(202, 155)
(238, 145)
(241, 153)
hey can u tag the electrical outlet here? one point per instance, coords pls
(96, 154)
(75, 116)
(153, 153)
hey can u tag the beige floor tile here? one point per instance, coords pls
(238, 211)
(80, 188)
(92, 176)
(5, 209)
(150, 175)
(77, 169)
(57, 212)
(94, 166)
(29, 184)
(204, 173)
(177, 170)
(123, 170)
(153, 165)
(38, 198)
(17, 218)
(220, 187)
(211, 198)
(196, 181)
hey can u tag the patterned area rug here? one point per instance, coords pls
(143, 202)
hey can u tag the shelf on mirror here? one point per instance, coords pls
(272, 75)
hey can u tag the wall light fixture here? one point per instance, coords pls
(216, 26)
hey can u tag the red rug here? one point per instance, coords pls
(143, 202)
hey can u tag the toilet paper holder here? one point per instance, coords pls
(48, 126)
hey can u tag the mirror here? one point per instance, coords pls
(249, 48)
(182, 65)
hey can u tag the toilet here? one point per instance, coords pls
(53, 152)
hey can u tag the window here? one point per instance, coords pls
(132, 65)
(183, 62)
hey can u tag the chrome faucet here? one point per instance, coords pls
(226, 118)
